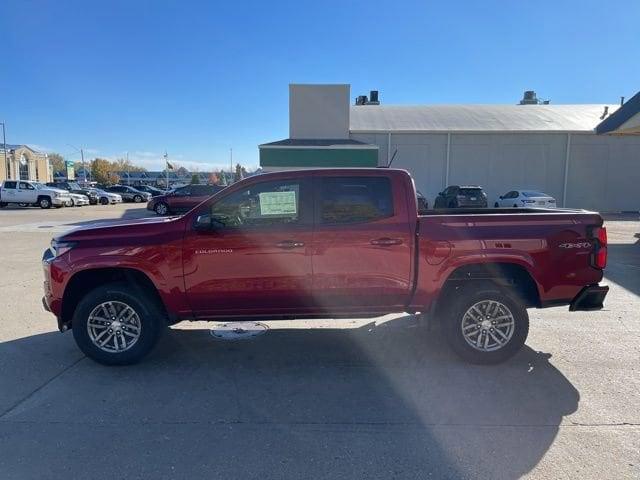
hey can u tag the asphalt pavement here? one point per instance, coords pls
(380, 398)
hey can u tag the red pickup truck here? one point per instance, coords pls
(324, 243)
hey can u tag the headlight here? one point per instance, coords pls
(56, 194)
(61, 247)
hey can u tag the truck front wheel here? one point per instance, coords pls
(485, 324)
(44, 202)
(117, 325)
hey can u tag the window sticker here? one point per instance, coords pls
(278, 203)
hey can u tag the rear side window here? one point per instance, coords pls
(355, 199)
(10, 185)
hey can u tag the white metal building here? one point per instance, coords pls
(552, 148)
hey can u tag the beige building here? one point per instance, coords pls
(21, 162)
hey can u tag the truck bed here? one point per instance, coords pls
(552, 245)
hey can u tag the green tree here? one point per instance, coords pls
(57, 162)
(239, 173)
(100, 169)
(222, 178)
(195, 179)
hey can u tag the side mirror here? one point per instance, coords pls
(501, 197)
(440, 193)
(206, 223)
(203, 223)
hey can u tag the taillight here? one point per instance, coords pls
(599, 257)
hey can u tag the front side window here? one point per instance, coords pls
(26, 186)
(355, 199)
(261, 205)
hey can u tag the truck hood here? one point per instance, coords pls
(103, 229)
(59, 191)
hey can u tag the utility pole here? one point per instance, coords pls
(84, 168)
(231, 161)
(128, 176)
(4, 149)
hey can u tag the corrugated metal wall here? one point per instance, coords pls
(604, 171)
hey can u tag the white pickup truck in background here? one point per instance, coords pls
(32, 193)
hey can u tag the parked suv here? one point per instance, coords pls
(32, 193)
(129, 194)
(74, 187)
(182, 199)
(461, 196)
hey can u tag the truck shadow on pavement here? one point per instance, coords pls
(378, 401)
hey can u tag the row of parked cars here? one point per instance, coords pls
(69, 194)
(473, 196)
(183, 199)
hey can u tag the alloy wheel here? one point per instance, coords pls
(114, 326)
(488, 325)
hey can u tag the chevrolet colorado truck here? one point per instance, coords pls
(324, 243)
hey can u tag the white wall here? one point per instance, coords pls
(319, 111)
(604, 171)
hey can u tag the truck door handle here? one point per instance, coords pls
(385, 241)
(288, 244)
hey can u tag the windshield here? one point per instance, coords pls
(74, 185)
(534, 194)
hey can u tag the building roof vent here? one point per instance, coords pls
(371, 100)
(529, 98)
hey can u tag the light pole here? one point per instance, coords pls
(84, 169)
(4, 149)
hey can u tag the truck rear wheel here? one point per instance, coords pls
(485, 324)
(117, 325)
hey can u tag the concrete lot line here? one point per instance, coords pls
(35, 392)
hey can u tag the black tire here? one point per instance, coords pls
(3, 204)
(151, 318)
(462, 301)
(104, 201)
(515, 206)
(452, 205)
(137, 198)
(161, 208)
(44, 202)
(495, 205)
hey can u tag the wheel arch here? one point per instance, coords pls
(86, 280)
(515, 277)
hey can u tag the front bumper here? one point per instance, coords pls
(61, 200)
(589, 298)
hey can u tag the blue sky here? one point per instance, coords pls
(196, 78)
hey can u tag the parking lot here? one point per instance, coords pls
(317, 399)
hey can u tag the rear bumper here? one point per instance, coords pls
(589, 298)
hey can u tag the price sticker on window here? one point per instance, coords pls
(278, 203)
